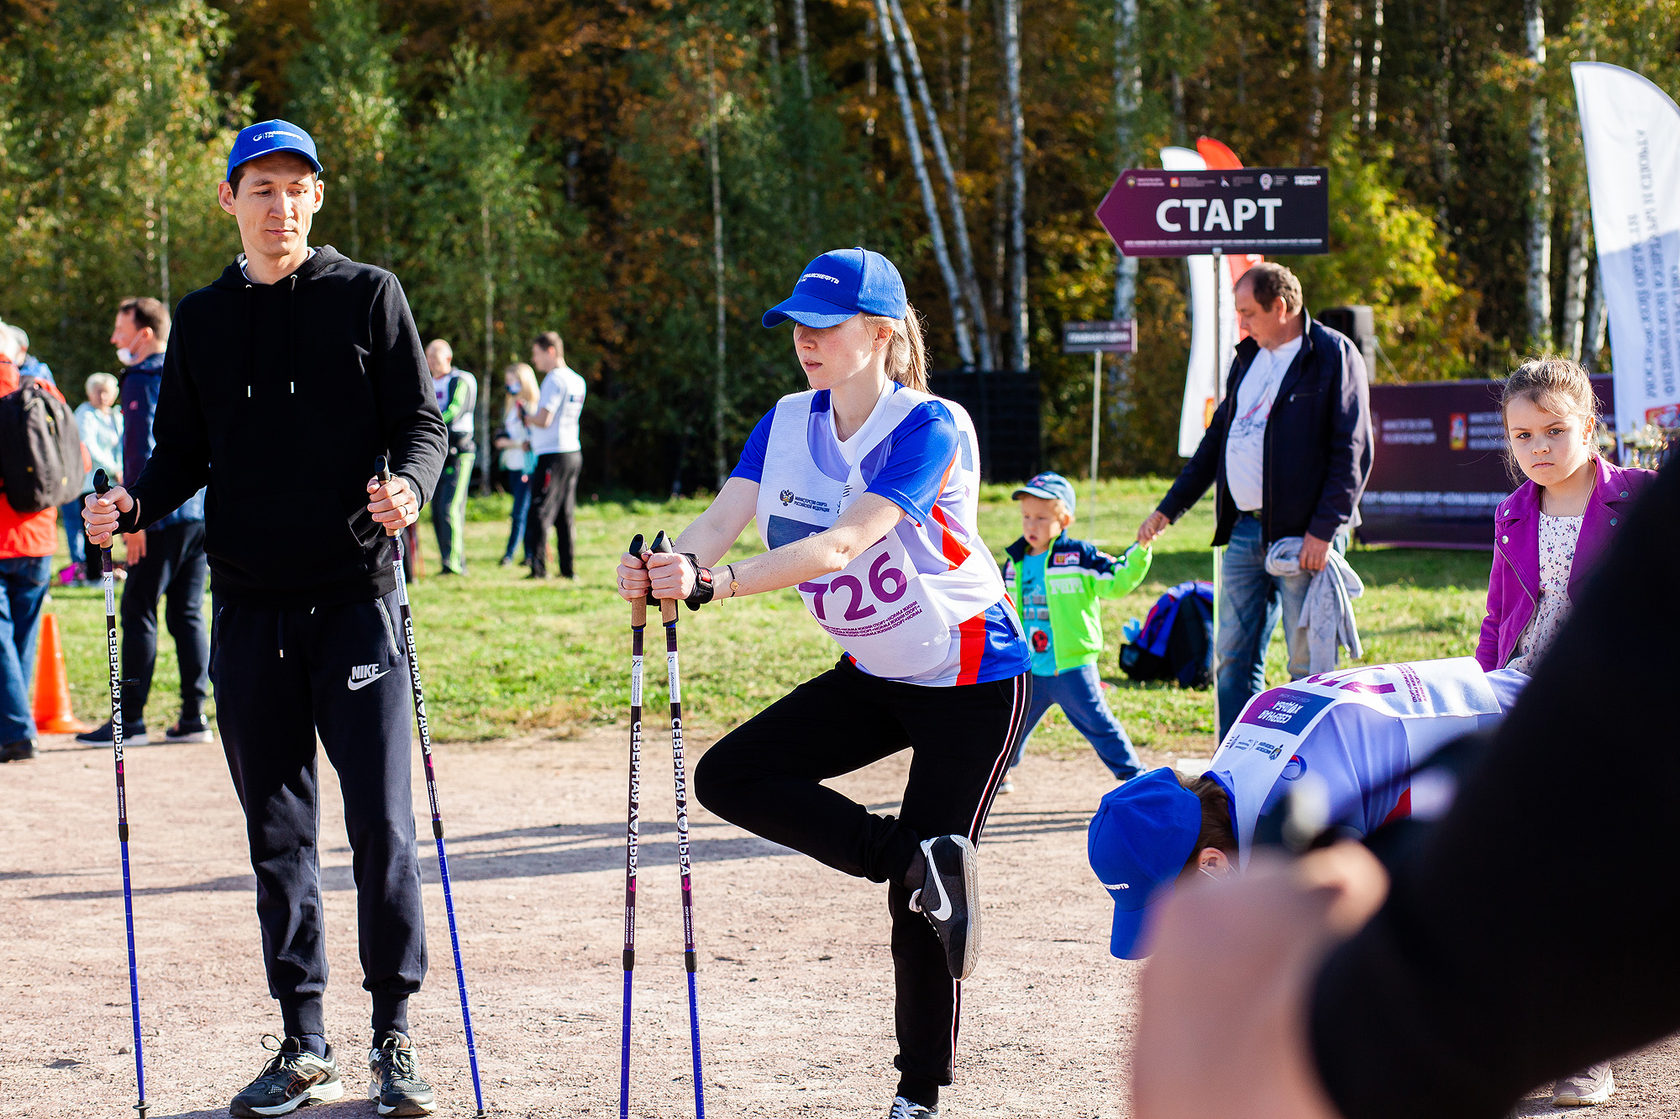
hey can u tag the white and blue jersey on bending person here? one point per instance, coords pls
(925, 605)
(1348, 743)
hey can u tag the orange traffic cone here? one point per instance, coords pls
(52, 687)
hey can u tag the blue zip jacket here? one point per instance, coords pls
(139, 397)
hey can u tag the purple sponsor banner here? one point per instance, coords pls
(1283, 211)
(1440, 463)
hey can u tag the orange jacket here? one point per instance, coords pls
(24, 534)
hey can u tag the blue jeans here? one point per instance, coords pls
(23, 586)
(519, 485)
(1250, 602)
(1078, 691)
(70, 513)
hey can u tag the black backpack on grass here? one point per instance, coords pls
(41, 458)
(1176, 642)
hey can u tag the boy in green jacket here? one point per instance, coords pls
(1057, 581)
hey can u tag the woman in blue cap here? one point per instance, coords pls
(865, 490)
(1349, 745)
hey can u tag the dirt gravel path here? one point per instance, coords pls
(794, 984)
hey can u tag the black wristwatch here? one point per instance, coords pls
(703, 588)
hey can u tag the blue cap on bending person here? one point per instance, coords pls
(1142, 836)
(1050, 486)
(270, 136)
(839, 284)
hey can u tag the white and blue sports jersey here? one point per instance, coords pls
(926, 604)
(1356, 735)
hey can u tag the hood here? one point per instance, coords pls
(324, 261)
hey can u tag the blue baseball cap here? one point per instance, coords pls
(269, 137)
(839, 284)
(1141, 837)
(1049, 486)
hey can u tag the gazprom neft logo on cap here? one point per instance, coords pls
(277, 132)
(819, 276)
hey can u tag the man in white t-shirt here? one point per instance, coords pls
(559, 451)
(1289, 452)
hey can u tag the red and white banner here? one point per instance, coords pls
(1212, 344)
(1631, 132)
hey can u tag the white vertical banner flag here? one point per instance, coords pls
(1208, 338)
(1631, 132)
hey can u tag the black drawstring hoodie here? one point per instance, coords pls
(278, 397)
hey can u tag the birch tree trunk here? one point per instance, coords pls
(163, 231)
(1019, 360)
(1539, 186)
(802, 47)
(1575, 281)
(969, 279)
(936, 225)
(720, 468)
(1318, 12)
(1356, 65)
(1375, 68)
(965, 72)
(1598, 317)
(773, 31)
(1128, 93)
(486, 376)
(1445, 165)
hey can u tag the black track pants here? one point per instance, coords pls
(766, 776)
(553, 502)
(282, 676)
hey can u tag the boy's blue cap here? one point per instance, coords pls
(269, 137)
(1141, 837)
(839, 284)
(1049, 486)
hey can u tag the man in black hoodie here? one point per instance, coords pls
(303, 641)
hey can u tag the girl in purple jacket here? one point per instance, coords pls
(1546, 538)
(1549, 533)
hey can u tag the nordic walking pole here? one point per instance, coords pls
(638, 623)
(668, 615)
(384, 475)
(100, 485)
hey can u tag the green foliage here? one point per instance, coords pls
(526, 166)
(1388, 254)
(111, 159)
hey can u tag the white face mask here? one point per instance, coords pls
(1210, 874)
(126, 356)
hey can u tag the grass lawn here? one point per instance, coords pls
(503, 656)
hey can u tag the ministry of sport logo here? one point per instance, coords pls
(361, 675)
(786, 497)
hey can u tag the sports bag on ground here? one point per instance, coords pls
(41, 459)
(1176, 642)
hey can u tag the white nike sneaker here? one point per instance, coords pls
(904, 1109)
(949, 898)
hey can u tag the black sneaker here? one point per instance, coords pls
(949, 899)
(293, 1077)
(20, 751)
(187, 730)
(394, 1080)
(904, 1109)
(134, 734)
